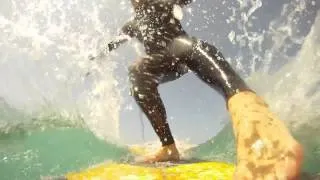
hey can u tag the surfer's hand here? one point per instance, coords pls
(91, 57)
(265, 147)
(102, 53)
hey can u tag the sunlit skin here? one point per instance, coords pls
(265, 147)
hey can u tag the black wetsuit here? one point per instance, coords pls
(170, 54)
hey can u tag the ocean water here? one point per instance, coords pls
(54, 152)
(54, 119)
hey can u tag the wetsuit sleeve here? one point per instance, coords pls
(130, 28)
(183, 2)
(127, 31)
(117, 42)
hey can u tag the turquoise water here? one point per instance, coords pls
(53, 152)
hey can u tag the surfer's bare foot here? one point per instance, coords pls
(265, 147)
(166, 153)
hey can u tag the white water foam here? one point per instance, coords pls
(44, 47)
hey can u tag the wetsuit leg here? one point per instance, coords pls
(145, 76)
(179, 70)
(209, 65)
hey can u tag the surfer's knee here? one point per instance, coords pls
(135, 72)
(134, 68)
(182, 46)
(134, 79)
(142, 82)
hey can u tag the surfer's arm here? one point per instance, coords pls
(120, 39)
(128, 31)
(183, 2)
(112, 45)
(130, 28)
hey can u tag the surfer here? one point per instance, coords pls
(265, 147)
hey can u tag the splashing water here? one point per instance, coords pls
(45, 43)
(283, 57)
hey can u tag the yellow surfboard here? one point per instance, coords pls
(114, 171)
(186, 171)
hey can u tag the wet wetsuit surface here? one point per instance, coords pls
(170, 54)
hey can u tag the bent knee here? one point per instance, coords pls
(141, 82)
(143, 93)
(182, 46)
(134, 68)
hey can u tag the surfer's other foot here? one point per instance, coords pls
(165, 153)
(265, 147)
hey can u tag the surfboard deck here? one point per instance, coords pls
(181, 170)
(200, 170)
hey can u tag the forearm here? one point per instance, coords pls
(184, 2)
(110, 46)
(128, 31)
(122, 38)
